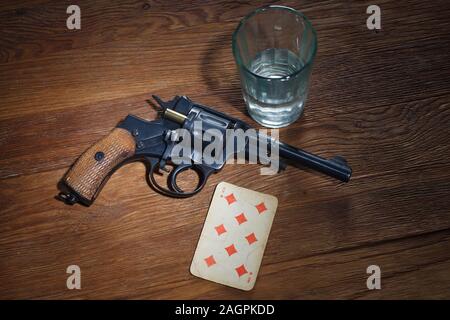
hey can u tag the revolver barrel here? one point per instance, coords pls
(335, 167)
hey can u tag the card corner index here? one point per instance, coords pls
(221, 184)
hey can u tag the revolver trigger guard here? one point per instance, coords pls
(203, 174)
(173, 190)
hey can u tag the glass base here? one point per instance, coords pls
(274, 116)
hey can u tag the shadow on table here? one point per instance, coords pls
(220, 73)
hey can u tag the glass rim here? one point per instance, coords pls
(237, 55)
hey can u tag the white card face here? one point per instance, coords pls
(234, 236)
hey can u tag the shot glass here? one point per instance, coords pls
(274, 49)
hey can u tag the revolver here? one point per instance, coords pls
(136, 139)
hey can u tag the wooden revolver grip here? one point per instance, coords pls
(94, 166)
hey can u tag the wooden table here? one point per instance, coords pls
(380, 99)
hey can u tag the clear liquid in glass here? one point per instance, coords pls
(280, 102)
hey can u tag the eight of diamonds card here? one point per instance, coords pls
(234, 236)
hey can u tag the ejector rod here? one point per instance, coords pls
(335, 167)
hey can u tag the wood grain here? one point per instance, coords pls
(380, 99)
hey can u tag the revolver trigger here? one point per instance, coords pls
(165, 169)
(162, 165)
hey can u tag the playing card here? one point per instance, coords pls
(234, 236)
